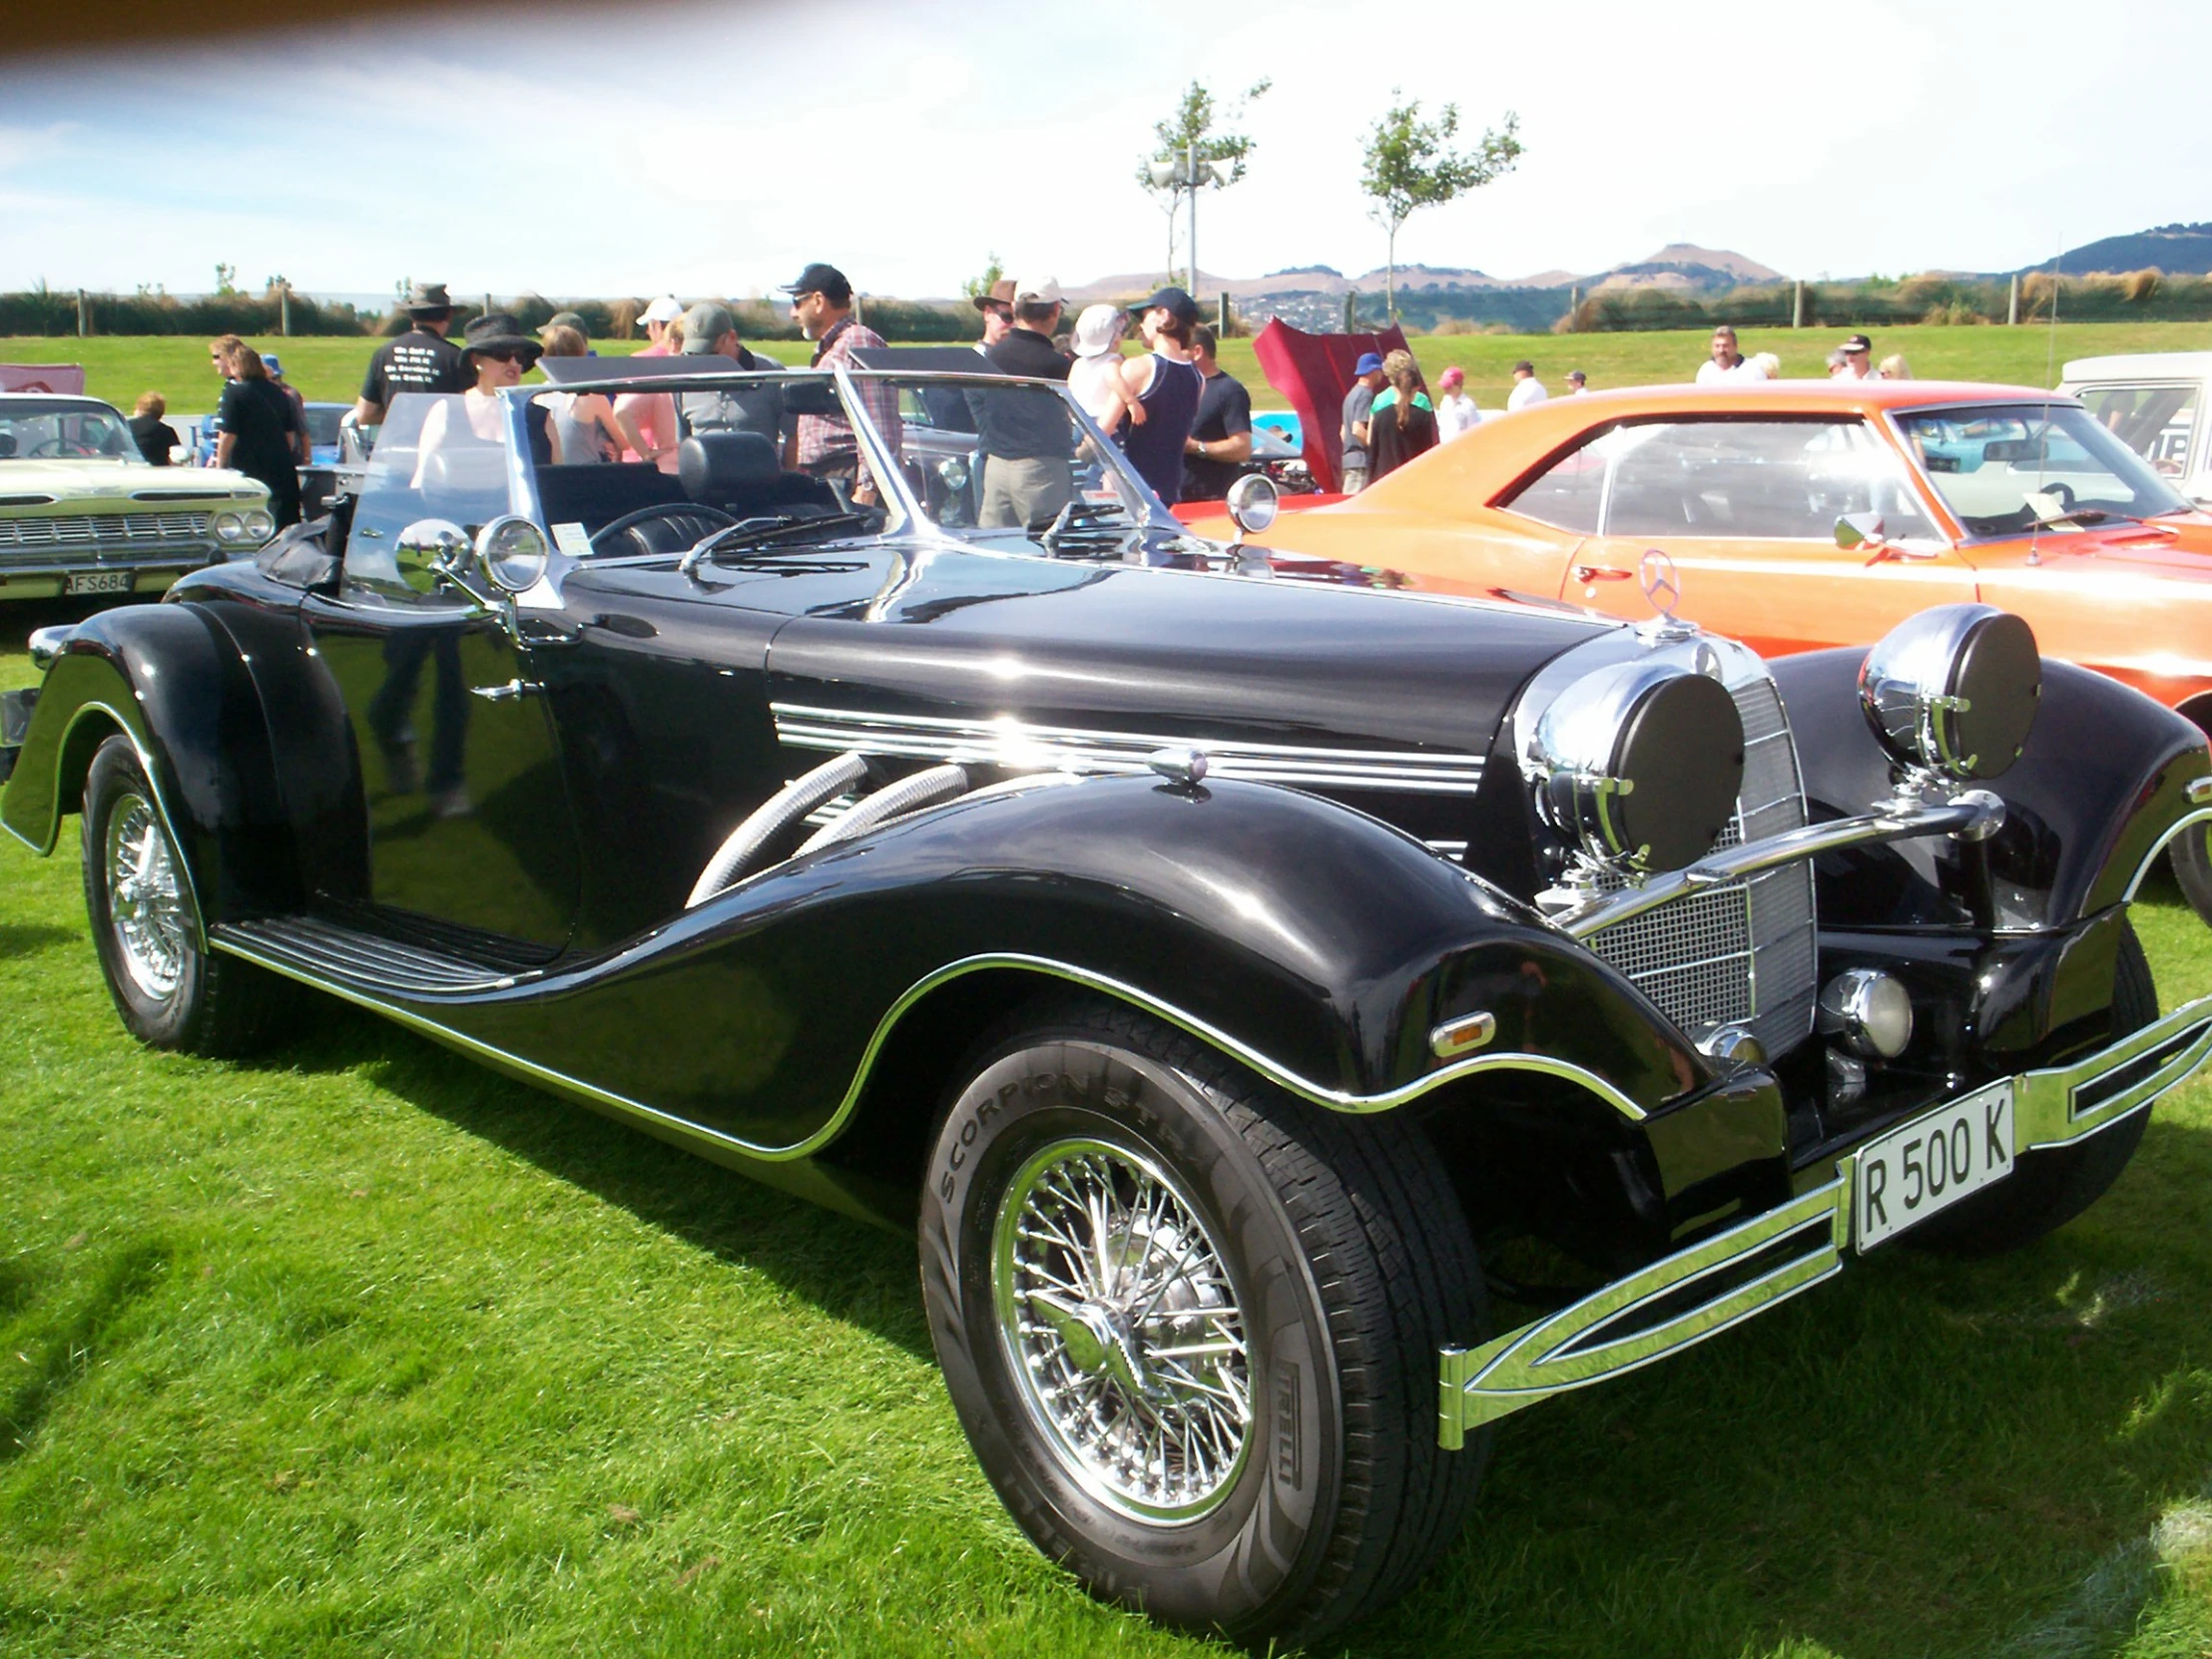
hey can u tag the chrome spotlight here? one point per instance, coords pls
(1640, 764)
(1953, 690)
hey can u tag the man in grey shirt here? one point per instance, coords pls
(710, 330)
(1358, 403)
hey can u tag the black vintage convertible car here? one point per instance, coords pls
(1224, 967)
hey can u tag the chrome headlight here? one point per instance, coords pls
(229, 527)
(1954, 689)
(259, 524)
(1640, 764)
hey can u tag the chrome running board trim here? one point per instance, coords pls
(1635, 1320)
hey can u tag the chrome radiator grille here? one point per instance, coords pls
(1740, 955)
(40, 540)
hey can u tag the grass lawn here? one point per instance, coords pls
(360, 1349)
(119, 368)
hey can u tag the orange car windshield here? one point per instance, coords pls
(2004, 469)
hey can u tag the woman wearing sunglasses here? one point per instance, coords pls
(496, 353)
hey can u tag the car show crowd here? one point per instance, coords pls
(1184, 424)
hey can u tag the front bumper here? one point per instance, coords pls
(1702, 1290)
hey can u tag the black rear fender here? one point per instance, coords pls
(173, 680)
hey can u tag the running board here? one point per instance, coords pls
(323, 951)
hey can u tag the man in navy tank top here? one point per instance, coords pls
(1164, 385)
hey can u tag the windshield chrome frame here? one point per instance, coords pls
(1894, 416)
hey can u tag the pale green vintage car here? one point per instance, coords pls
(81, 513)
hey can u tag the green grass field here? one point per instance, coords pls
(119, 369)
(360, 1349)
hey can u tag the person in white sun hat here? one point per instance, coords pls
(656, 318)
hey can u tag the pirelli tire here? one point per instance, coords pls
(2051, 1187)
(1191, 1325)
(171, 991)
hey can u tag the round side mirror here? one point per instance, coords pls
(1252, 502)
(428, 548)
(513, 553)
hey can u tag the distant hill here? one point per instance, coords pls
(1679, 266)
(2173, 249)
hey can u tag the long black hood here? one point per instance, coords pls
(1171, 653)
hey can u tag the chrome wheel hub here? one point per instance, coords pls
(1123, 1329)
(145, 897)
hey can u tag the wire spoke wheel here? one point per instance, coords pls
(1123, 1329)
(147, 904)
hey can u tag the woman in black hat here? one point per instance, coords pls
(495, 354)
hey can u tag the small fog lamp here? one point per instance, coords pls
(1870, 1010)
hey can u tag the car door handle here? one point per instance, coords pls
(509, 693)
(1601, 573)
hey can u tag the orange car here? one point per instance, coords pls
(2014, 498)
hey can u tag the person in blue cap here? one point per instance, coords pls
(1358, 403)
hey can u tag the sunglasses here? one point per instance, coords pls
(511, 354)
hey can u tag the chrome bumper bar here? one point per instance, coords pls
(1973, 814)
(1699, 1292)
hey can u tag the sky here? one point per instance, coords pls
(717, 147)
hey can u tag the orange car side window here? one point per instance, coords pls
(1568, 494)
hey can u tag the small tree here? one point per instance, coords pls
(976, 286)
(1190, 130)
(225, 279)
(1410, 164)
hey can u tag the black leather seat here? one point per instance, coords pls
(740, 473)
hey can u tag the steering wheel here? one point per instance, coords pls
(2065, 493)
(61, 447)
(658, 511)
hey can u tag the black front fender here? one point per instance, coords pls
(1314, 943)
(2104, 780)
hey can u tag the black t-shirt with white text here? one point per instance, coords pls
(1224, 411)
(417, 360)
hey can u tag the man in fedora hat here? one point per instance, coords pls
(422, 359)
(947, 406)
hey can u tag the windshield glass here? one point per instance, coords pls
(624, 471)
(42, 429)
(984, 458)
(1988, 462)
(439, 455)
(2156, 422)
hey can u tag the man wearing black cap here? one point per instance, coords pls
(422, 359)
(824, 445)
(1858, 359)
(1166, 384)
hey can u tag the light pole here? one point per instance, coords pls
(1188, 175)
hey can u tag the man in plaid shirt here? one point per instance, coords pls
(824, 445)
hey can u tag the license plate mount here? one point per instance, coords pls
(1924, 1167)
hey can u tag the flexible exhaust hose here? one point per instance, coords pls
(908, 794)
(785, 806)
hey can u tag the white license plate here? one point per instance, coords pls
(1930, 1164)
(99, 581)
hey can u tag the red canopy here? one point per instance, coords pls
(1314, 372)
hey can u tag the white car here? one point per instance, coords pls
(2154, 402)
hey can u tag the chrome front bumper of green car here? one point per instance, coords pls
(1721, 1281)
